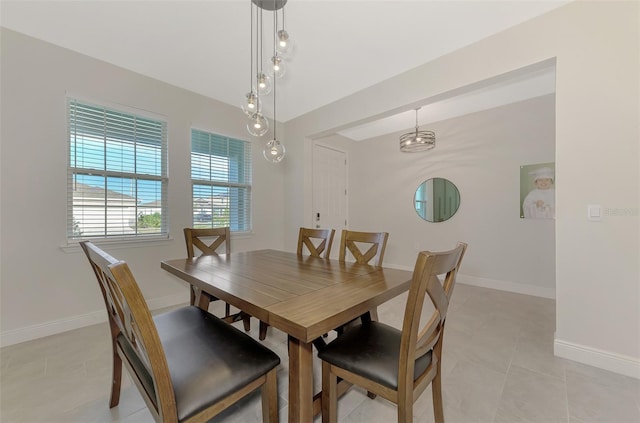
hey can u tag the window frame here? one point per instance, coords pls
(133, 176)
(247, 164)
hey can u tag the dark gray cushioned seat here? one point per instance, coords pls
(208, 359)
(371, 350)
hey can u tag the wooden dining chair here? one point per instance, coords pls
(375, 243)
(187, 364)
(353, 241)
(316, 242)
(208, 241)
(397, 364)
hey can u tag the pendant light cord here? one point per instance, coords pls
(258, 43)
(283, 18)
(275, 23)
(261, 32)
(251, 51)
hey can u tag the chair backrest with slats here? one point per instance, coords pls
(416, 341)
(375, 242)
(309, 238)
(207, 240)
(130, 317)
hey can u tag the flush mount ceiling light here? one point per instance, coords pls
(415, 141)
(264, 83)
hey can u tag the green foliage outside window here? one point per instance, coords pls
(149, 220)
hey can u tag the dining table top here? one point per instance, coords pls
(303, 296)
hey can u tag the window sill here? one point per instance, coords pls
(241, 235)
(74, 246)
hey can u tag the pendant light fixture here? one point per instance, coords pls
(251, 103)
(274, 151)
(415, 141)
(265, 83)
(263, 80)
(278, 68)
(257, 125)
(284, 43)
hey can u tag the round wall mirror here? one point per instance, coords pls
(436, 200)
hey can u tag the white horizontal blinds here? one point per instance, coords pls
(221, 180)
(117, 173)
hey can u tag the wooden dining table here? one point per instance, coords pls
(303, 296)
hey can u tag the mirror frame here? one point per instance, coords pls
(445, 211)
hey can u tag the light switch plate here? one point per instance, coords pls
(594, 212)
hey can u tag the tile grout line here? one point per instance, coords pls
(506, 376)
(566, 391)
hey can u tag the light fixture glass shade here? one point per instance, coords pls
(413, 142)
(277, 67)
(273, 151)
(251, 104)
(283, 43)
(264, 84)
(257, 125)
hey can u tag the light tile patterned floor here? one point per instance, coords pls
(498, 367)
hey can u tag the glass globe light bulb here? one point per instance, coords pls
(264, 84)
(251, 103)
(277, 68)
(283, 45)
(257, 125)
(273, 151)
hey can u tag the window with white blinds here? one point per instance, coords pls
(221, 181)
(117, 175)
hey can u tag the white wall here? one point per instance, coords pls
(595, 44)
(43, 289)
(481, 154)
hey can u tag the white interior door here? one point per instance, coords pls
(330, 190)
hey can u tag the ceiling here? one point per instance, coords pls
(340, 47)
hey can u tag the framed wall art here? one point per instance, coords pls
(537, 191)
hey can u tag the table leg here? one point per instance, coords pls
(300, 381)
(202, 300)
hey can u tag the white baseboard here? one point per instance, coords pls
(606, 360)
(168, 301)
(518, 288)
(16, 336)
(29, 333)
